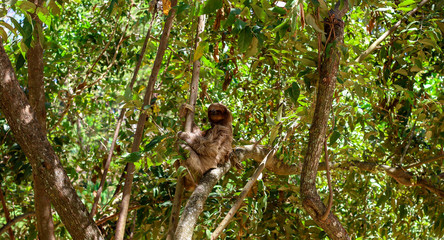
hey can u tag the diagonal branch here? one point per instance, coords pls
(15, 220)
(388, 32)
(119, 121)
(130, 167)
(243, 194)
(195, 204)
(34, 142)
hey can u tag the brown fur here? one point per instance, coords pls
(208, 148)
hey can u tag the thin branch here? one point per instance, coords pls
(130, 167)
(408, 144)
(388, 32)
(242, 196)
(6, 211)
(424, 162)
(114, 216)
(15, 220)
(276, 165)
(120, 120)
(82, 86)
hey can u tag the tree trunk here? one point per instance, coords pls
(36, 87)
(45, 163)
(189, 119)
(311, 201)
(130, 167)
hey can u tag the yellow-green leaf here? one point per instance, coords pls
(199, 51)
(3, 34)
(310, 20)
(9, 27)
(27, 6)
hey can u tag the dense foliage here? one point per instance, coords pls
(259, 58)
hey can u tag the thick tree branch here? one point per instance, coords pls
(194, 89)
(36, 94)
(275, 165)
(258, 153)
(311, 201)
(32, 139)
(195, 204)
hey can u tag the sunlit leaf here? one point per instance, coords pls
(200, 50)
(132, 157)
(3, 34)
(27, 6)
(310, 20)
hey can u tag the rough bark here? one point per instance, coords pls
(130, 168)
(195, 204)
(45, 163)
(36, 88)
(311, 201)
(194, 89)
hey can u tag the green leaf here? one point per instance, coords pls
(279, 10)
(3, 34)
(54, 8)
(312, 22)
(293, 92)
(153, 143)
(334, 136)
(274, 133)
(406, 3)
(200, 50)
(18, 26)
(239, 25)
(44, 15)
(231, 17)
(27, 6)
(284, 25)
(260, 13)
(406, 9)
(128, 94)
(9, 27)
(211, 6)
(132, 157)
(252, 49)
(19, 62)
(245, 38)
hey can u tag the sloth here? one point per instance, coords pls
(207, 148)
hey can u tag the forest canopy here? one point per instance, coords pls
(337, 106)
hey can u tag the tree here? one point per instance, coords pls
(359, 83)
